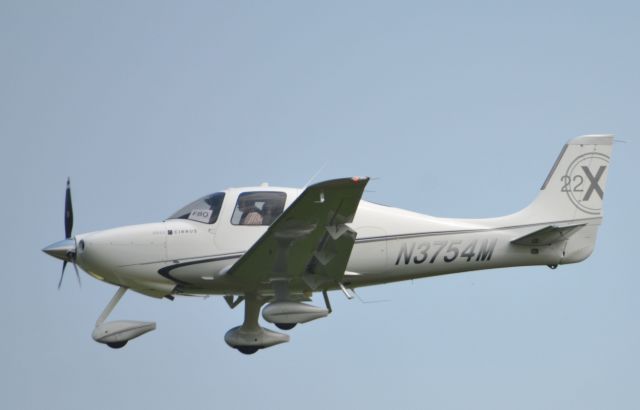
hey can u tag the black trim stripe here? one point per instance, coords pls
(464, 231)
(193, 258)
(165, 272)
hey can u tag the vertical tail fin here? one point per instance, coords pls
(571, 197)
(574, 188)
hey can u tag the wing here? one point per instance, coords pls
(310, 241)
(547, 235)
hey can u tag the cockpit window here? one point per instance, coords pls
(205, 209)
(258, 208)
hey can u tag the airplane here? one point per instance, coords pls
(275, 247)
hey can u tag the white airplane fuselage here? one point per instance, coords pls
(392, 245)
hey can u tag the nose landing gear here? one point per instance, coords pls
(116, 334)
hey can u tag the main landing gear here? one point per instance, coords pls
(251, 337)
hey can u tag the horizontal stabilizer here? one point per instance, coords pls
(547, 235)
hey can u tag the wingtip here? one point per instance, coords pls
(341, 181)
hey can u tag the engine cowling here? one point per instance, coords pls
(120, 331)
(292, 312)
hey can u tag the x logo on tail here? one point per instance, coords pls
(594, 182)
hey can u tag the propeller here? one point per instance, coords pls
(66, 249)
(68, 227)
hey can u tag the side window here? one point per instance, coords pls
(258, 208)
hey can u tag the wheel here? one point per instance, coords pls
(286, 326)
(117, 345)
(247, 349)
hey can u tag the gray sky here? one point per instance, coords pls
(459, 109)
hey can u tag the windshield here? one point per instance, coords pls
(205, 209)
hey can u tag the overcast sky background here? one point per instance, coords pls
(457, 108)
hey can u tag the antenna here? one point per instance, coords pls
(315, 175)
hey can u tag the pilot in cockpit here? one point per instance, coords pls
(250, 213)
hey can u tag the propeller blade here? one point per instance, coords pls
(68, 212)
(66, 250)
(77, 274)
(64, 265)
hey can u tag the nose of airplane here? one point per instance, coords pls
(62, 250)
